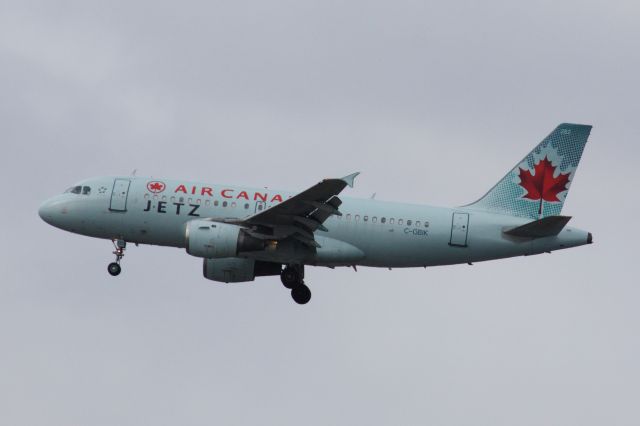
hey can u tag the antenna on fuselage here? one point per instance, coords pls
(133, 173)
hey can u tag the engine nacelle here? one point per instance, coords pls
(230, 270)
(236, 269)
(213, 240)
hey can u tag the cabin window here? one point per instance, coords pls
(224, 204)
(173, 199)
(391, 221)
(426, 224)
(233, 205)
(366, 218)
(246, 206)
(198, 201)
(409, 222)
(146, 196)
(417, 223)
(349, 216)
(357, 217)
(164, 198)
(374, 219)
(383, 220)
(215, 203)
(207, 203)
(181, 199)
(399, 221)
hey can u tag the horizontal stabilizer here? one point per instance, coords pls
(546, 227)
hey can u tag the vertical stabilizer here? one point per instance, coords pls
(538, 185)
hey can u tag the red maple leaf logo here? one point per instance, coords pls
(542, 184)
(156, 187)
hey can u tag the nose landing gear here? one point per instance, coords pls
(292, 277)
(114, 268)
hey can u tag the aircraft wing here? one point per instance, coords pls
(301, 215)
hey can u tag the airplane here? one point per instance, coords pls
(243, 233)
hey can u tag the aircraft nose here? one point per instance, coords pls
(47, 212)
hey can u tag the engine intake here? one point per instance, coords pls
(213, 240)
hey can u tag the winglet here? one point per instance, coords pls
(349, 179)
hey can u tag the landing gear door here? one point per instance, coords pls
(459, 229)
(119, 195)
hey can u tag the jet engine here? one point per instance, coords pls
(213, 240)
(236, 269)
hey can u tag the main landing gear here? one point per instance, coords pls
(292, 277)
(114, 268)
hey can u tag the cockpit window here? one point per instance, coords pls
(85, 190)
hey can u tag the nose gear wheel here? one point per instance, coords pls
(114, 268)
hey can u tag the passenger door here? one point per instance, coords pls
(119, 195)
(459, 229)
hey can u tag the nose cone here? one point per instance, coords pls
(64, 213)
(49, 211)
(46, 212)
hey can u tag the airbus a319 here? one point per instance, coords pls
(242, 233)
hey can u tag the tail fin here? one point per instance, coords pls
(538, 185)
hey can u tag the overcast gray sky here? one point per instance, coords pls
(432, 101)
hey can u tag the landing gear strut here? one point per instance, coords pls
(292, 277)
(114, 268)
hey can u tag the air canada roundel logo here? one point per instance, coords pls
(156, 186)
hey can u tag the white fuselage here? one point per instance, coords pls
(369, 232)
